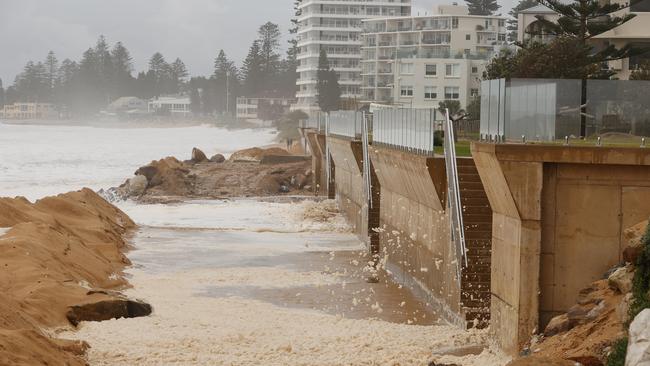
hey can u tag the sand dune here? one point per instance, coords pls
(53, 252)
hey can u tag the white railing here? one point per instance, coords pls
(454, 202)
(345, 124)
(407, 129)
(367, 181)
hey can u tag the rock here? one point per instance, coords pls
(539, 361)
(596, 311)
(634, 237)
(586, 360)
(576, 315)
(198, 156)
(557, 325)
(268, 184)
(307, 188)
(638, 348)
(621, 279)
(300, 180)
(137, 185)
(218, 158)
(284, 189)
(623, 309)
(107, 309)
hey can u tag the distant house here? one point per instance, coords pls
(128, 104)
(29, 111)
(173, 106)
(262, 109)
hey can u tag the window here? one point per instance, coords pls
(454, 22)
(473, 93)
(430, 92)
(502, 23)
(452, 70)
(452, 92)
(474, 69)
(468, 37)
(406, 68)
(406, 91)
(502, 37)
(431, 70)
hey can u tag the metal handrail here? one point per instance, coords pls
(453, 196)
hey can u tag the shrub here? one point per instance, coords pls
(641, 282)
(438, 138)
(619, 351)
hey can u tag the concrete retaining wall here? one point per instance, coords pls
(415, 235)
(558, 218)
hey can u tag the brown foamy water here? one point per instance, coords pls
(239, 297)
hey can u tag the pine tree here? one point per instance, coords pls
(2, 95)
(123, 67)
(578, 23)
(252, 74)
(513, 22)
(327, 86)
(179, 74)
(105, 70)
(225, 84)
(482, 7)
(330, 98)
(52, 69)
(269, 40)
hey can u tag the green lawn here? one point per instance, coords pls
(463, 149)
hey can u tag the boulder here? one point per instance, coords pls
(577, 314)
(638, 348)
(137, 185)
(268, 184)
(621, 279)
(198, 156)
(623, 308)
(107, 309)
(300, 180)
(634, 237)
(218, 158)
(538, 361)
(557, 325)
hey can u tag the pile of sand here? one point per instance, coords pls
(55, 251)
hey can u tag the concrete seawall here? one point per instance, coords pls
(415, 233)
(559, 217)
(347, 156)
(408, 222)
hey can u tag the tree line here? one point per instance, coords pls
(105, 73)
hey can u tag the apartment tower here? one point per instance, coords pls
(335, 26)
(420, 61)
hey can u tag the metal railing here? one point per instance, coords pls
(407, 129)
(454, 203)
(316, 121)
(346, 124)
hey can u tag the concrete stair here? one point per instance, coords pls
(477, 220)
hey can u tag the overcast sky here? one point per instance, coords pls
(193, 30)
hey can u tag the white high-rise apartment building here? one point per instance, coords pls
(424, 60)
(335, 25)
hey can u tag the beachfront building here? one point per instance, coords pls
(127, 104)
(173, 106)
(420, 61)
(335, 26)
(635, 32)
(262, 109)
(19, 111)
